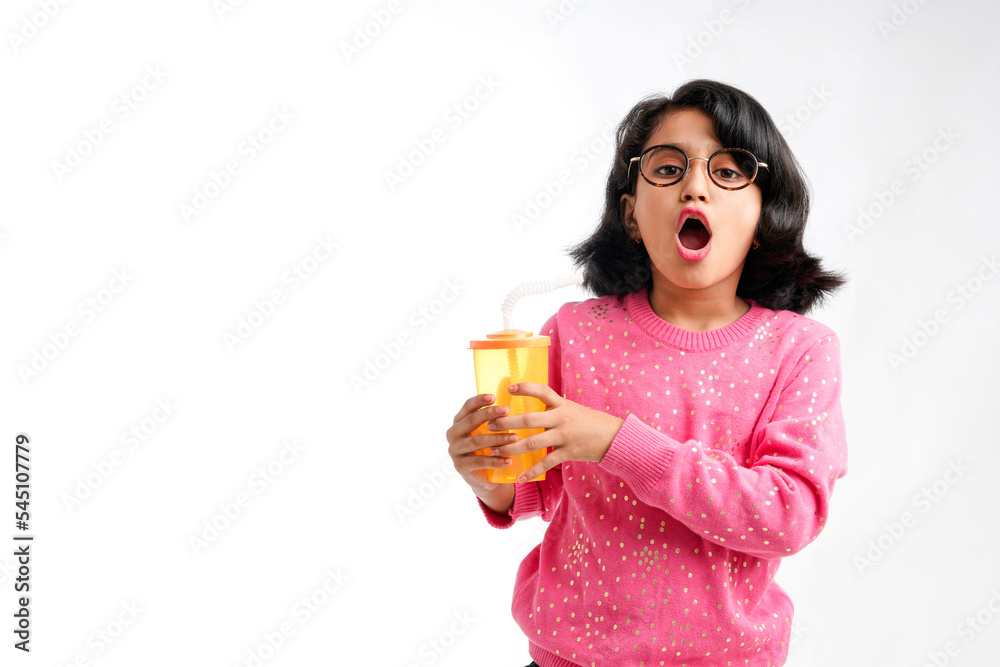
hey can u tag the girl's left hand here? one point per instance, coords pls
(573, 431)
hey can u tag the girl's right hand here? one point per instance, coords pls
(462, 445)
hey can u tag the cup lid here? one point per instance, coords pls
(507, 338)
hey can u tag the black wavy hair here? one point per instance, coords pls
(780, 274)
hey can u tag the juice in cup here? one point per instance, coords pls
(504, 358)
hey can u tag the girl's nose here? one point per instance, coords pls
(696, 182)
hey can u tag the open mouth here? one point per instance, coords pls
(693, 235)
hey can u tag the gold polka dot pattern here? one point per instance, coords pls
(665, 552)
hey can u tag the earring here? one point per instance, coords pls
(756, 244)
(637, 239)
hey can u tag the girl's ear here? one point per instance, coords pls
(626, 208)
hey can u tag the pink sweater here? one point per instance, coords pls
(664, 553)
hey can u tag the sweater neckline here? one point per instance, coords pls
(642, 314)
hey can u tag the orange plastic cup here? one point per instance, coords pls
(504, 358)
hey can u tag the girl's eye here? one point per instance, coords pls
(731, 167)
(668, 170)
(728, 174)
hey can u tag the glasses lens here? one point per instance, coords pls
(664, 165)
(732, 169)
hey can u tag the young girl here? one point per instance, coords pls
(693, 411)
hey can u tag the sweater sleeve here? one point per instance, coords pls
(543, 497)
(778, 502)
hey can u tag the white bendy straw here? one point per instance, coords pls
(536, 287)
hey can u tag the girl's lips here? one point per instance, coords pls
(693, 254)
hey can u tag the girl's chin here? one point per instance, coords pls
(700, 275)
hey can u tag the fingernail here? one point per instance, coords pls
(493, 452)
(489, 398)
(506, 462)
(522, 479)
(512, 388)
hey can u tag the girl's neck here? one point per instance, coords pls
(696, 310)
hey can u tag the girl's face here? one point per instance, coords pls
(687, 255)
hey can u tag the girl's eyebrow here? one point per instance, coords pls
(686, 147)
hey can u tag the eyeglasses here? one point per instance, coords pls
(729, 168)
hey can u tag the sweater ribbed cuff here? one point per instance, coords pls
(527, 503)
(546, 659)
(638, 456)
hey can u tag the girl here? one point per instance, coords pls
(694, 413)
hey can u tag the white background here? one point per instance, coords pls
(893, 76)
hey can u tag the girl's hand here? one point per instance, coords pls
(573, 431)
(462, 446)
